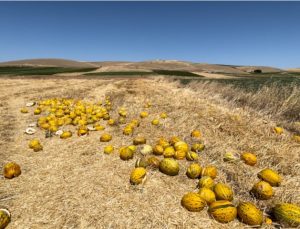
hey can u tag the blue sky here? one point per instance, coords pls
(242, 33)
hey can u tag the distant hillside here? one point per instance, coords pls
(173, 65)
(49, 63)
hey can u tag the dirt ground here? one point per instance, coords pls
(72, 184)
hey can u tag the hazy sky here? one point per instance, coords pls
(242, 33)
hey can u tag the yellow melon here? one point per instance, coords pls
(193, 171)
(173, 140)
(223, 211)
(262, 190)
(229, 156)
(268, 221)
(192, 156)
(108, 149)
(138, 175)
(193, 202)
(139, 140)
(210, 171)
(196, 134)
(133, 148)
(287, 214)
(163, 115)
(37, 111)
(105, 137)
(24, 110)
(144, 114)
(169, 152)
(180, 155)
(11, 170)
(223, 192)
(155, 122)
(169, 166)
(5, 218)
(111, 122)
(163, 142)
(35, 145)
(158, 150)
(197, 147)
(66, 134)
(249, 158)
(180, 145)
(127, 130)
(249, 214)
(207, 194)
(126, 153)
(270, 176)
(206, 182)
(278, 130)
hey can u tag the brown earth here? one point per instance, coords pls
(72, 184)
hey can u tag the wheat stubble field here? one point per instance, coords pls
(72, 184)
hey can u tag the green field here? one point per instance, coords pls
(26, 71)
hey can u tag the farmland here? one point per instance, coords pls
(91, 189)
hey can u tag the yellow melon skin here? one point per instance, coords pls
(208, 195)
(158, 150)
(169, 166)
(262, 190)
(210, 171)
(249, 214)
(192, 156)
(138, 175)
(223, 192)
(270, 176)
(11, 170)
(249, 158)
(206, 182)
(196, 134)
(173, 140)
(193, 171)
(181, 146)
(4, 218)
(287, 214)
(197, 147)
(105, 138)
(126, 153)
(108, 149)
(163, 142)
(139, 141)
(66, 134)
(193, 202)
(278, 130)
(169, 152)
(223, 211)
(180, 155)
(35, 145)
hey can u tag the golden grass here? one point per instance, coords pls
(72, 184)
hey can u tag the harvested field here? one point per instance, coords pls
(72, 184)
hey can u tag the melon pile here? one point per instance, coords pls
(65, 118)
